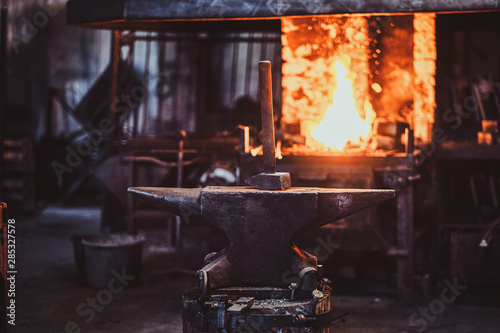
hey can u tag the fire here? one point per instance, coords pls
(343, 123)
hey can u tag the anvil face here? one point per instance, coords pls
(261, 225)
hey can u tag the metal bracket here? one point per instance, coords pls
(241, 305)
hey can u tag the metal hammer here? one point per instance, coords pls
(269, 179)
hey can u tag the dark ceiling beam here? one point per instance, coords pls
(126, 14)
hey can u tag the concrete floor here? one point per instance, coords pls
(48, 292)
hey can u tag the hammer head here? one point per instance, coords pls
(270, 181)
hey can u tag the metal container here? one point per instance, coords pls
(110, 256)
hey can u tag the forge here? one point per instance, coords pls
(355, 94)
(352, 84)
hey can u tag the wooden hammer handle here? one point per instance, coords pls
(266, 111)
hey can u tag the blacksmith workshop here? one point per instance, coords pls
(265, 166)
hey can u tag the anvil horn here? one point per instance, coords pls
(178, 201)
(336, 204)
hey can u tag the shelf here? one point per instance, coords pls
(467, 151)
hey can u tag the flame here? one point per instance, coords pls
(342, 123)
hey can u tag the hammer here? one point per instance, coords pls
(269, 179)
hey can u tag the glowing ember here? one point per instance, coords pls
(377, 88)
(342, 123)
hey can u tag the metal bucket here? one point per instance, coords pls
(109, 257)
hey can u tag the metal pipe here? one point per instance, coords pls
(177, 76)
(149, 159)
(162, 52)
(202, 80)
(145, 112)
(477, 94)
(180, 161)
(492, 184)
(473, 191)
(135, 115)
(234, 72)
(410, 142)
(263, 46)
(220, 75)
(487, 236)
(115, 58)
(248, 67)
(293, 287)
(219, 38)
(129, 81)
(266, 109)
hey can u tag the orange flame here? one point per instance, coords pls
(342, 123)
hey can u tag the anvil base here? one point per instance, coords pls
(257, 310)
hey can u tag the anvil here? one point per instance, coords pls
(260, 227)
(261, 222)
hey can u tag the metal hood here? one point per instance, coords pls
(153, 14)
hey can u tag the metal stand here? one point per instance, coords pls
(401, 179)
(258, 310)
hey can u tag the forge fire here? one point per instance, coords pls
(345, 78)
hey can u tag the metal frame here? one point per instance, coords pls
(205, 79)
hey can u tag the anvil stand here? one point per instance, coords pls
(261, 282)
